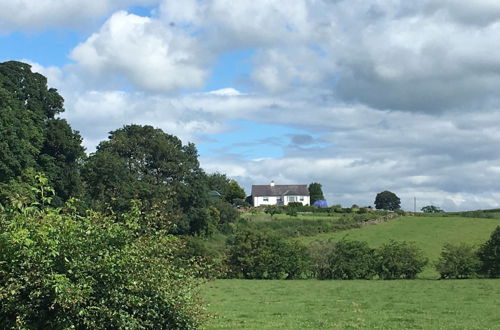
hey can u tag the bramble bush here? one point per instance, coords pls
(60, 270)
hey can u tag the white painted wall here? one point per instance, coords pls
(273, 200)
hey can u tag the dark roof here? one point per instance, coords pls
(280, 190)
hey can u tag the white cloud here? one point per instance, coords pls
(41, 14)
(147, 54)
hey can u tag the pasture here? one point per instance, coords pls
(312, 304)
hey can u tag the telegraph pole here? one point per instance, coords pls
(415, 204)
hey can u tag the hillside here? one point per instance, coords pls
(429, 233)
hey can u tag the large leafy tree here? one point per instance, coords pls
(149, 165)
(387, 200)
(489, 254)
(30, 133)
(229, 190)
(316, 192)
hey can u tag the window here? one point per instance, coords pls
(301, 198)
(292, 198)
(265, 199)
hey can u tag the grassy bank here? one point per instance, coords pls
(414, 304)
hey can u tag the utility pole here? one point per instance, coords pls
(415, 204)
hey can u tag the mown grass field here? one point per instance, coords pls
(311, 304)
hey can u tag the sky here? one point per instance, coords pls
(360, 96)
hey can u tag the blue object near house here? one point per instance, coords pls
(320, 203)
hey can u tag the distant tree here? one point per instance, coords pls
(235, 192)
(431, 209)
(229, 189)
(387, 200)
(489, 254)
(315, 192)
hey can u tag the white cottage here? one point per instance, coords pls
(273, 194)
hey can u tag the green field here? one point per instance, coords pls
(429, 233)
(311, 304)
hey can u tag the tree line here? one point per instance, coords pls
(135, 163)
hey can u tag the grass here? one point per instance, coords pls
(429, 233)
(411, 304)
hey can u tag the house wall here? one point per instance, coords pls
(273, 200)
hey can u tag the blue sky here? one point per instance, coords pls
(359, 96)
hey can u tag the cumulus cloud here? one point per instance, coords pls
(41, 14)
(147, 54)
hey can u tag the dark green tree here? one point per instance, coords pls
(458, 261)
(387, 200)
(489, 254)
(32, 136)
(315, 192)
(149, 165)
(431, 209)
(229, 189)
(399, 260)
(257, 255)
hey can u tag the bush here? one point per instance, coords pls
(489, 254)
(458, 261)
(257, 255)
(61, 271)
(395, 260)
(344, 260)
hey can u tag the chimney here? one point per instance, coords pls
(272, 184)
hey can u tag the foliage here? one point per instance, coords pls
(315, 192)
(272, 210)
(59, 270)
(431, 209)
(489, 254)
(387, 200)
(31, 136)
(146, 164)
(257, 255)
(458, 261)
(343, 260)
(395, 260)
(229, 190)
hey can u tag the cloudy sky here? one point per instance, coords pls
(360, 96)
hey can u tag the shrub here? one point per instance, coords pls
(489, 254)
(344, 260)
(458, 261)
(61, 271)
(272, 210)
(396, 260)
(257, 255)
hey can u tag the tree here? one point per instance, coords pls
(344, 260)
(272, 210)
(315, 192)
(395, 260)
(32, 136)
(149, 165)
(458, 261)
(489, 254)
(257, 255)
(387, 200)
(431, 209)
(229, 189)
(235, 193)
